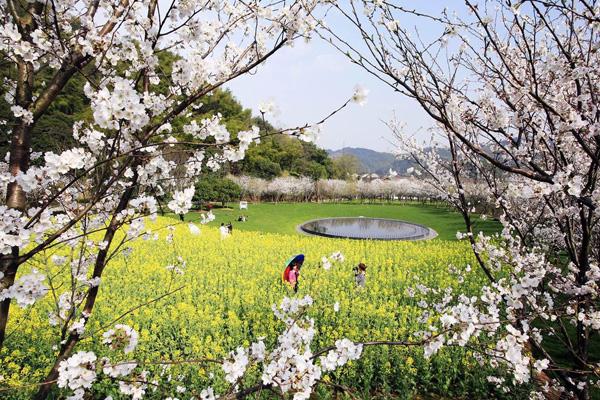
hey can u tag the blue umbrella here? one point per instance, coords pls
(299, 258)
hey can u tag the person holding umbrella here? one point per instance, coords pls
(291, 272)
(294, 275)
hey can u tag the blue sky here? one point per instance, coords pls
(309, 80)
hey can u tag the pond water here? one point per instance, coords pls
(367, 228)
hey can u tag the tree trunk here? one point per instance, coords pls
(101, 260)
(15, 195)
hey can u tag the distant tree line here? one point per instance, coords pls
(306, 189)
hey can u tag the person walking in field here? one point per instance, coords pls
(292, 270)
(360, 275)
(293, 276)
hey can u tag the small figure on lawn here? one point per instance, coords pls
(230, 228)
(360, 276)
(224, 231)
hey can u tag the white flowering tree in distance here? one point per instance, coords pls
(514, 87)
(122, 164)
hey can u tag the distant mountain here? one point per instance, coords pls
(374, 161)
(380, 162)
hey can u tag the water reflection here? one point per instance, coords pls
(366, 228)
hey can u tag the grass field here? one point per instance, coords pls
(285, 217)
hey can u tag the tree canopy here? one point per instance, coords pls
(275, 156)
(213, 188)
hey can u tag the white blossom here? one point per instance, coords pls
(27, 289)
(266, 107)
(541, 365)
(207, 217)
(77, 371)
(337, 256)
(182, 201)
(257, 351)
(345, 350)
(360, 95)
(207, 394)
(24, 114)
(309, 134)
(119, 369)
(194, 230)
(235, 366)
(121, 336)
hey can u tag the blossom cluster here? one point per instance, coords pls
(80, 371)
(121, 335)
(26, 290)
(336, 257)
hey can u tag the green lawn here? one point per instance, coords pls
(285, 217)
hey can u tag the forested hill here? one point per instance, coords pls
(372, 161)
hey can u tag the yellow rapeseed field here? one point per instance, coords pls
(228, 289)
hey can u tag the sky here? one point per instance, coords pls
(309, 80)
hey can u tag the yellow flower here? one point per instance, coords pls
(228, 289)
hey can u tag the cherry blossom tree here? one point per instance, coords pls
(290, 188)
(336, 189)
(512, 87)
(142, 143)
(303, 189)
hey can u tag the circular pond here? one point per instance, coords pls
(367, 228)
